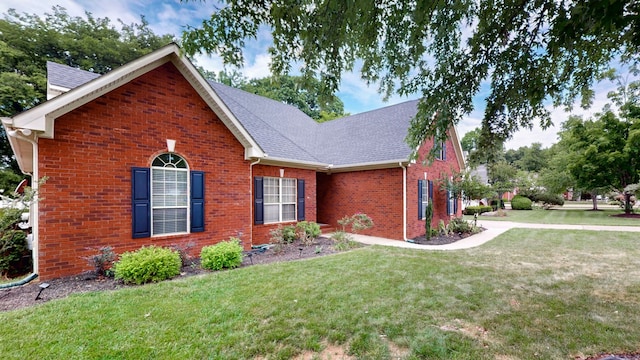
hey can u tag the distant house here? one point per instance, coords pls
(152, 153)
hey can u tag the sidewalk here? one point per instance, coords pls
(493, 229)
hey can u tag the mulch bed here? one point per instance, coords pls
(25, 296)
(628, 216)
(442, 239)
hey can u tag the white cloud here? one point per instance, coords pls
(257, 67)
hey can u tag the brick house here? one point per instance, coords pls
(152, 153)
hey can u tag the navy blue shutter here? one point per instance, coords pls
(300, 200)
(258, 200)
(197, 201)
(448, 202)
(141, 202)
(420, 213)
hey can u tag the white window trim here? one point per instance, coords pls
(451, 201)
(187, 206)
(280, 203)
(425, 195)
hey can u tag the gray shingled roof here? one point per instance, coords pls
(372, 136)
(66, 76)
(283, 131)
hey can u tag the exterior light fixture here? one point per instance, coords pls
(42, 287)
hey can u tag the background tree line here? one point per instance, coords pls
(28, 41)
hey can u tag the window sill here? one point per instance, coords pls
(169, 235)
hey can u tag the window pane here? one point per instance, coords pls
(167, 221)
(288, 212)
(288, 190)
(271, 213)
(271, 191)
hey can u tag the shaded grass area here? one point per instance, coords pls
(528, 294)
(575, 216)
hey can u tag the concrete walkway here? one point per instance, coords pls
(493, 229)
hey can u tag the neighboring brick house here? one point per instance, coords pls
(152, 153)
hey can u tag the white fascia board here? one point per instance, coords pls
(374, 165)
(300, 164)
(22, 149)
(457, 146)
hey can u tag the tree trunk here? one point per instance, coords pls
(594, 198)
(627, 203)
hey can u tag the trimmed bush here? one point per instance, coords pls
(520, 203)
(147, 264)
(223, 255)
(309, 232)
(470, 210)
(289, 234)
(549, 200)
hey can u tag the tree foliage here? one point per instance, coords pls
(525, 52)
(299, 92)
(528, 158)
(28, 41)
(604, 152)
(502, 177)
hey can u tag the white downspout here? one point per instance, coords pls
(251, 199)
(33, 212)
(404, 201)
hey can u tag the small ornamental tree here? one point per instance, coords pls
(428, 214)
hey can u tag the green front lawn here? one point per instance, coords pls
(528, 294)
(574, 216)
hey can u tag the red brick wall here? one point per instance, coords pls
(435, 171)
(377, 193)
(87, 198)
(261, 232)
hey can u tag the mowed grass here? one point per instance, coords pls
(573, 216)
(529, 294)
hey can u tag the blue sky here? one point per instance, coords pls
(171, 16)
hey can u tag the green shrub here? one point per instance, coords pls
(102, 261)
(308, 232)
(458, 225)
(520, 203)
(343, 240)
(281, 237)
(14, 253)
(470, 210)
(148, 264)
(224, 255)
(549, 200)
(289, 233)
